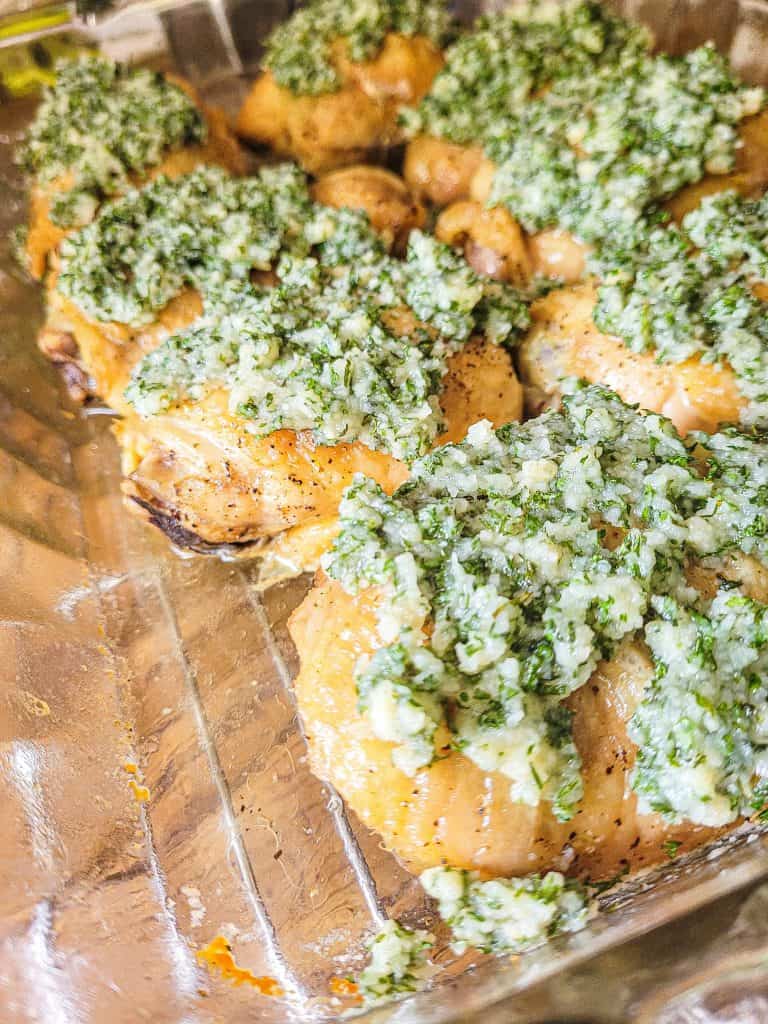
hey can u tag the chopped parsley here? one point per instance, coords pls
(398, 964)
(499, 916)
(299, 52)
(334, 347)
(683, 292)
(595, 154)
(506, 915)
(201, 230)
(100, 124)
(492, 72)
(499, 597)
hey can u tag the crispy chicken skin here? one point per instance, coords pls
(495, 245)
(198, 466)
(354, 123)
(488, 237)
(452, 812)
(96, 358)
(221, 148)
(563, 341)
(391, 207)
(440, 172)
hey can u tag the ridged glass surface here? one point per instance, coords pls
(129, 671)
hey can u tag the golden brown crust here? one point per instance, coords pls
(198, 464)
(452, 812)
(105, 353)
(383, 195)
(460, 178)
(440, 172)
(749, 176)
(492, 241)
(564, 342)
(96, 358)
(496, 246)
(358, 122)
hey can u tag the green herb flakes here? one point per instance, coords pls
(492, 72)
(201, 230)
(595, 154)
(684, 292)
(500, 597)
(100, 124)
(506, 915)
(324, 350)
(398, 964)
(299, 51)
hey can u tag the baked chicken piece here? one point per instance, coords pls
(549, 145)
(495, 243)
(249, 425)
(492, 73)
(336, 77)
(541, 653)
(103, 128)
(678, 324)
(382, 195)
(140, 271)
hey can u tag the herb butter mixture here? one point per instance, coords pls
(350, 344)
(506, 915)
(501, 592)
(594, 154)
(100, 124)
(684, 292)
(300, 52)
(201, 230)
(398, 964)
(491, 73)
(501, 916)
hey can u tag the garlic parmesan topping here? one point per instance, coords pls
(334, 347)
(594, 154)
(98, 125)
(398, 964)
(498, 916)
(506, 915)
(202, 230)
(492, 72)
(684, 292)
(299, 52)
(501, 591)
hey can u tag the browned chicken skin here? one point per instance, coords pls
(356, 122)
(440, 172)
(99, 356)
(220, 148)
(564, 342)
(452, 812)
(391, 207)
(196, 469)
(199, 466)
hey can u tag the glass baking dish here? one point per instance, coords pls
(156, 791)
